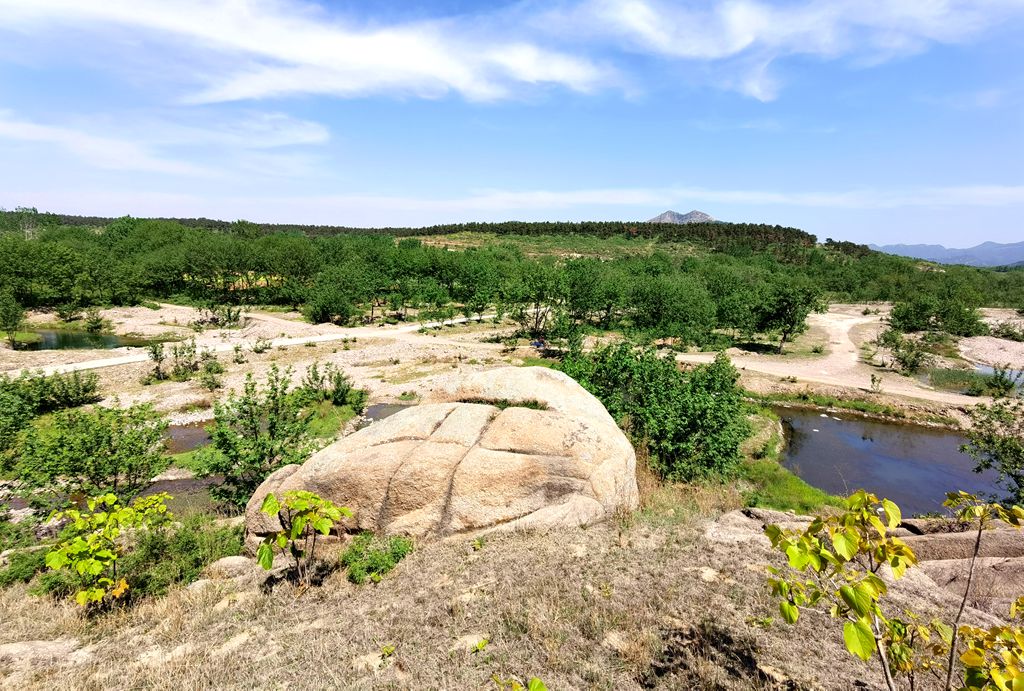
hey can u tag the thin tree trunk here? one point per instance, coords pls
(963, 605)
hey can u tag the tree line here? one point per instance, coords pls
(697, 297)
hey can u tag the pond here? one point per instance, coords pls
(69, 339)
(379, 411)
(912, 465)
(182, 438)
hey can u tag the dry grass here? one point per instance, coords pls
(638, 603)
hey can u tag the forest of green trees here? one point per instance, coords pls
(736, 280)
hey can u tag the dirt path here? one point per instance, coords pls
(840, 365)
(328, 334)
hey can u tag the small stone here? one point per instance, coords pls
(232, 644)
(236, 600)
(367, 664)
(469, 642)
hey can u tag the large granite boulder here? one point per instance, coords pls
(496, 450)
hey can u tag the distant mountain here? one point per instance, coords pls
(676, 217)
(985, 254)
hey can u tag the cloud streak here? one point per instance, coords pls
(256, 49)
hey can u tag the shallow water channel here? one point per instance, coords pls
(69, 339)
(912, 465)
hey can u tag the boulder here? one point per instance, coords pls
(495, 450)
(994, 543)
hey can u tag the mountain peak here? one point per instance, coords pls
(676, 217)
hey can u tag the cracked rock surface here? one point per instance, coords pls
(501, 449)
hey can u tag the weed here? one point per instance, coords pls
(369, 557)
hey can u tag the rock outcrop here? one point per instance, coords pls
(497, 450)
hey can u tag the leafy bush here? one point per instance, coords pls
(22, 567)
(370, 557)
(14, 417)
(996, 441)
(107, 450)
(90, 545)
(692, 423)
(12, 315)
(834, 565)
(94, 321)
(303, 515)
(160, 559)
(329, 383)
(44, 393)
(255, 433)
(68, 312)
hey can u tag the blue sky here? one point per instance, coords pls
(897, 121)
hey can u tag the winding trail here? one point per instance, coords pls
(336, 333)
(839, 366)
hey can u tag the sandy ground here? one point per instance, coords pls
(847, 329)
(393, 360)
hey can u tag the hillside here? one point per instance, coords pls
(985, 254)
(676, 217)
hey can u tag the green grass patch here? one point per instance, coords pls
(369, 557)
(533, 361)
(958, 380)
(329, 419)
(808, 398)
(775, 487)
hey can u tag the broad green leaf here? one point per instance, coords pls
(271, 506)
(893, 515)
(859, 639)
(973, 657)
(56, 560)
(856, 598)
(323, 525)
(790, 612)
(536, 684)
(265, 556)
(846, 544)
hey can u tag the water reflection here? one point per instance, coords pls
(912, 465)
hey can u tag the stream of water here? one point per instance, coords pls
(912, 465)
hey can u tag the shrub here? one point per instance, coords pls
(44, 393)
(14, 417)
(370, 557)
(996, 441)
(160, 559)
(303, 516)
(90, 545)
(12, 315)
(261, 345)
(22, 567)
(107, 450)
(184, 362)
(834, 565)
(691, 423)
(68, 312)
(94, 321)
(253, 435)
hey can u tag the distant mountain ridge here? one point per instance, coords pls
(676, 217)
(985, 254)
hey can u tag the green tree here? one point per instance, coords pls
(691, 422)
(835, 565)
(785, 307)
(996, 441)
(106, 450)
(12, 315)
(254, 434)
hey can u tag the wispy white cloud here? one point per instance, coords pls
(267, 48)
(251, 143)
(105, 152)
(747, 36)
(257, 49)
(381, 210)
